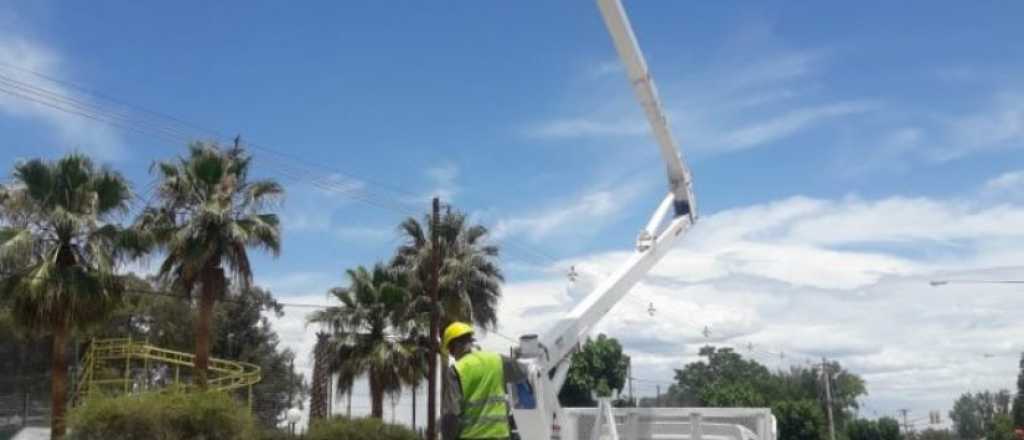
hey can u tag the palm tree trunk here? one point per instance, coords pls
(376, 397)
(58, 385)
(213, 278)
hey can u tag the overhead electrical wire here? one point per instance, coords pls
(355, 187)
(140, 120)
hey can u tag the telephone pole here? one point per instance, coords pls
(434, 321)
(906, 424)
(828, 399)
(629, 377)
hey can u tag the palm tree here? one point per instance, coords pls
(59, 250)
(209, 213)
(366, 332)
(470, 279)
(470, 282)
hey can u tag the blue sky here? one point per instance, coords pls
(838, 150)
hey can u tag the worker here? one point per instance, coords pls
(475, 405)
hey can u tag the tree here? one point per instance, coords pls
(470, 279)
(1001, 428)
(862, 429)
(799, 419)
(1018, 400)
(209, 214)
(366, 331)
(319, 399)
(885, 428)
(806, 383)
(889, 429)
(932, 434)
(470, 282)
(599, 368)
(243, 333)
(982, 414)
(725, 379)
(61, 245)
(967, 419)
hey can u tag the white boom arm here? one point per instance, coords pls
(547, 358)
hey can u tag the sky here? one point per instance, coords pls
(843, 157)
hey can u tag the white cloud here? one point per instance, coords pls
(365, 233)
(773, 129)
(584, 215)
(1000, 126)
(21, 93)
(726, 107)
(1011, 181)
(317, 209)
(607, 67)
(296, 284)
(805, 278)
(444, 179)
(787, 277)
(945, 135)
(588, 127)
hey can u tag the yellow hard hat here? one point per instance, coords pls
(454, 331)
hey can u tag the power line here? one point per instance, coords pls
(154, 125)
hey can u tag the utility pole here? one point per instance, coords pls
(434, 293)
(657, 399)
(629, 377)
(906, 424)
(828, 399)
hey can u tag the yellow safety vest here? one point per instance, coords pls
(484, 409)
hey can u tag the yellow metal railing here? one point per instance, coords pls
(108, 365)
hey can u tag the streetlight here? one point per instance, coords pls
(293, 416)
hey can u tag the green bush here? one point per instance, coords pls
(170, 416)
(340, 428)
(275, 434)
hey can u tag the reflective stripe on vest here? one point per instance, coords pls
(484, 409)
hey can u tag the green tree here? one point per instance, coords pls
(244, 332)
(799, 419)
(967, 419)
(724, 379)
(470, 282)
(61, 245)
(889, 429)
(366, 331)
(982, 414)
(1001, 428)
(806, 383)
(599, 368)
(209, 213)
(1018, 400)
(932, 434)
(470, 278)
(862, 429)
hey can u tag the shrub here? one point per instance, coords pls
(341, 428)
(168, 416)
(275, 434)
